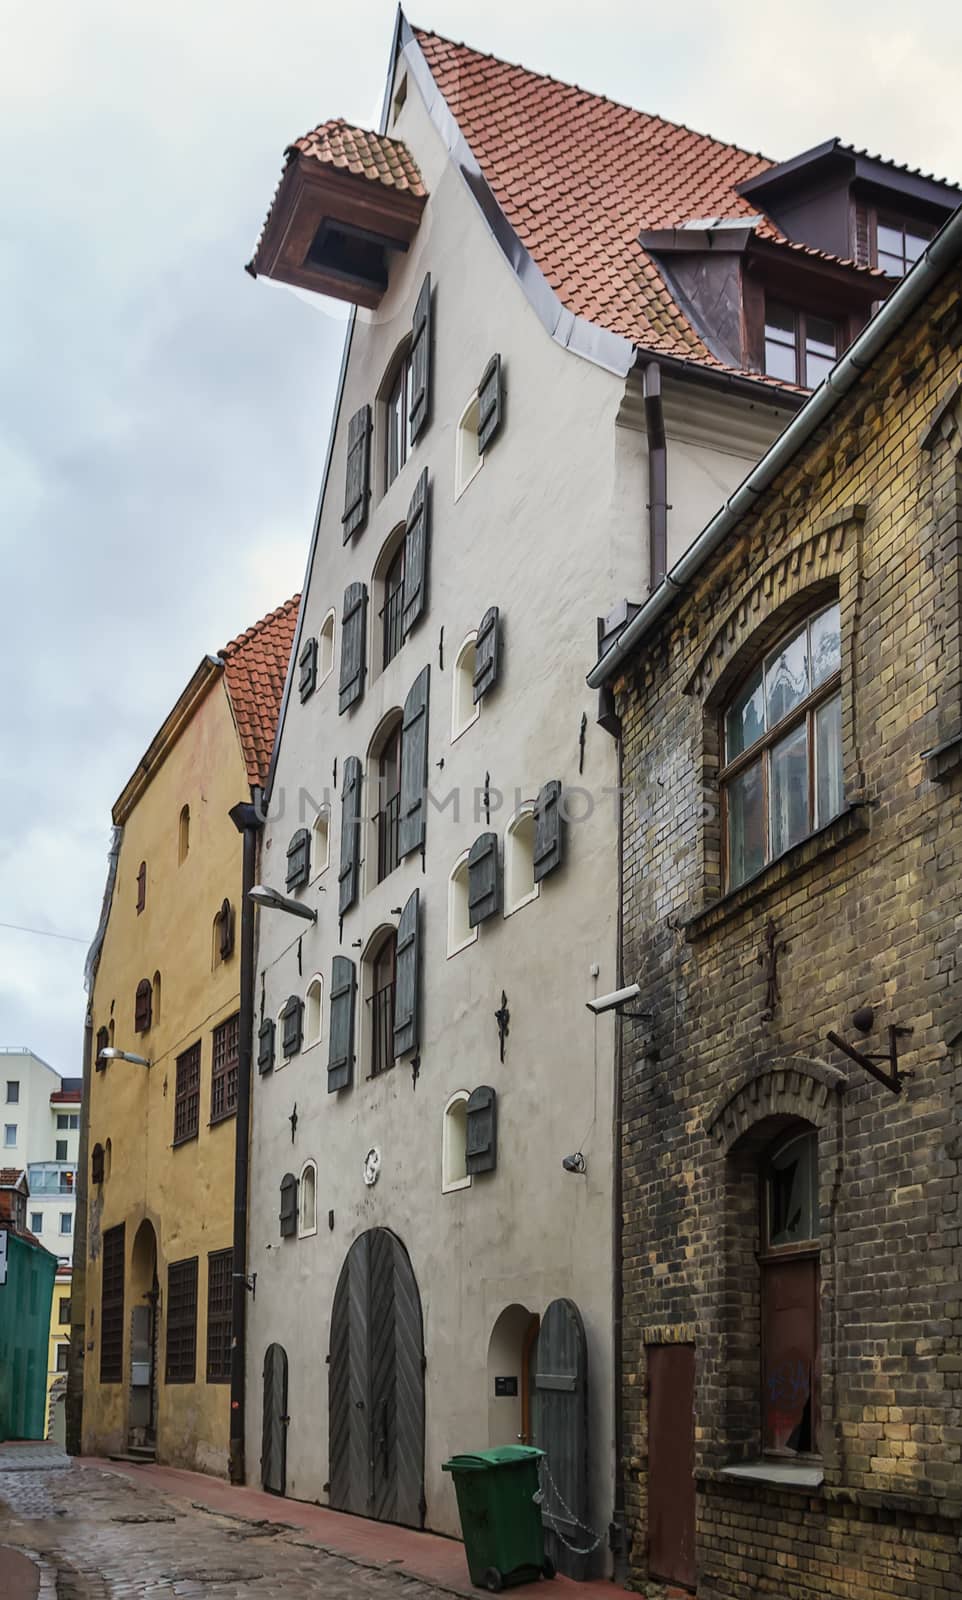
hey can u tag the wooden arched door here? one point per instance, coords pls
(376, 1384)
(561, 1431)
(275, 1421)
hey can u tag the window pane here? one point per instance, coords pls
(786, 678)
(745, 721)
(792, 1190)
(746, 825)
(817, 368)
(828, 760)
(826, 652)
(780, 360)
(779, 322)
(889, 241)
(915, 243)
(788, 790)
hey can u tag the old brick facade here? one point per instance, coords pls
(745, 985)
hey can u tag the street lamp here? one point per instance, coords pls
(275, 901)
(110, 1054)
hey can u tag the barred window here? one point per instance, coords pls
(223, 1080)
(219, 1287)
(112, 1307)
(182, 1321)
(187, 1095)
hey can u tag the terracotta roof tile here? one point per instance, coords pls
(367, 155)
(255, 667)
(10, 1177)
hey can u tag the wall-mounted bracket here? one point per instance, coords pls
(891, 1079)
(250, 1283)
(503, 1018)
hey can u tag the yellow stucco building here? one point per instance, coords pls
(57, 1352)
(159, 1143)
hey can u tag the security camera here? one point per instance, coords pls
(611, 1002)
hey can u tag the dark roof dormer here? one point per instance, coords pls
(347, 199)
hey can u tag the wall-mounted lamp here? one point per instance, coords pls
(273, 900)
(109, 1054)
(575, 1163)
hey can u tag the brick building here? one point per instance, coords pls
(791, 726)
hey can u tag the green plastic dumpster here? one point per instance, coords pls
(500, 1518)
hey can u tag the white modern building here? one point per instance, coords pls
(41, 1134)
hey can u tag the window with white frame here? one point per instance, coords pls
(307, 1198)
(468, 459)
(314, 1012)
(463, 709)
(397, 418)
(321, 841)
(454, 1144)
(460, 931)
(280, 1059)
(325, 649)
(519, 885)
(9, 1135)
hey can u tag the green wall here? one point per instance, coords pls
(25, 1301)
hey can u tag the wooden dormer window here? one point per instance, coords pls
(898, 244)
(800, 346)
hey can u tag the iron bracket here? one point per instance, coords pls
(893, 1078)
(250, 1283)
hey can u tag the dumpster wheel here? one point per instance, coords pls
(493, 1580)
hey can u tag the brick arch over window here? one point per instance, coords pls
(795, 1087)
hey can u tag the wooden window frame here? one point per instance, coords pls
(187, 1095)
(397, 394)
(801, 336)
(112, 1273)
(381, 1005)
(903, 224)
(225, 1041)
(180, 1365)
(220, 1289)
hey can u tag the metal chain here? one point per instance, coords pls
(575, 1549)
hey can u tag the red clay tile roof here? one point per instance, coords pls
(367, 155)
(578, 176)
(10, 1177)
(255, 666)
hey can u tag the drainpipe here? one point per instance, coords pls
(618, 1536)
(247, 819)
(74, 1404)
(657, 477)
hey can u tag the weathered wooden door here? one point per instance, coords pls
(561, 1431)
(376, 1384)
(671, 1463)
(274, 1432)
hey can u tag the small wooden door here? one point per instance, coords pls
(561, 1431)
(274, 1432)
(671, 1463)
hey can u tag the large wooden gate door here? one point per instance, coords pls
(274, 1430)
(376, 1384)
(671, 1463)
(561, 1385)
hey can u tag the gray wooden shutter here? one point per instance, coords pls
(549, 830)
(349, 872)
(143, 1002)
(484, 880)
(353, 630)
(482, 1145)
(407, 1000)
(307, 661)
(340, 1060)
(489, 404)
(288, 1216)
(421, 361)
(414, 765)
(487, 654)
(265, 1045)
(417, 551)
(293, 1032)
(299, 859)
(357, 492)
(226, 919)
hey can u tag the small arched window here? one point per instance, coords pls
(314, 1012)
(183, 834)
(468, 459)
(97, 1164)
(321, 841)
(141, 887)
(781, 776)
(789, 1264)
(397, 414)
(143, 1006)
(460, 931)
(156, 986)
(519, 838)
(307, 1194)
(384, 788)
(464, 711)
(280, 1059)
(454, 1144)
(325, 648)
(387, 597)
(380, 970)
(103, 1043)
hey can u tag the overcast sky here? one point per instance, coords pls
(163, 419)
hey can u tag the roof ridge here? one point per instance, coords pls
(592, 94)
(258, 627)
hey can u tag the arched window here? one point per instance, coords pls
(380, 966)
(325, 648)
(307, 1195)
(468, 459)
(460, 931)
(781, 737)
(463, 709)
(384, 790)
(141, 887)
(387, 598)
(519, 885)
(156, 997)
(454, 1144)
(143, 1006)
(103, 1043)
(789, 1264)
(396, 392)
(314, 1012)
(97, 1164)
(280, 1059)
(183, 834)
(321, 841)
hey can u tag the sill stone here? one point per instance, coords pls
(780, 1474)
(945, 759)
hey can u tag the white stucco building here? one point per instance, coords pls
(41, 1134)
(434, 1156)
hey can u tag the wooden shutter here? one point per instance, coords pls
(348, 877)
(417, 545)
(353, 630)
(421, 362)
(307, 661)
(489, 404)
(548, 831)
(357, 491)
(265, 1045)
(340, 1060)
(299, 859)
(407, 989)
(288, 1217)
(414, 765)
(142, 1006)
(487, 654)
(484, 880)
(97, 1164)
(226, 930)
(293, 1017)
(103, 1043)
(482, 1145)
